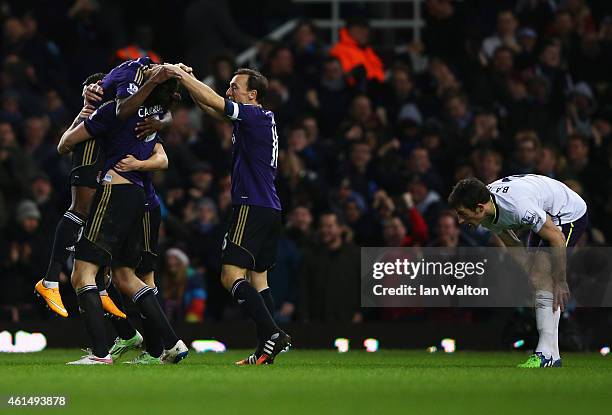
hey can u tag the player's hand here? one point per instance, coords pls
(93, 93)
(186, 68)
(86, 111)
(161, 73)
(129, 163)
(561, 295)
(147, 127)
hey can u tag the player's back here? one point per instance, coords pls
(119, 137)
(125, 79)
(552, 196)
(255, 157)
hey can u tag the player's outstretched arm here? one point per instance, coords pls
(127, 107)
(551, 233)
(157, 161)
(203, 95)
(76, 133)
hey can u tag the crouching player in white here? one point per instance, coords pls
(556, 217)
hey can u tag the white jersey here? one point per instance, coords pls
(524, 201)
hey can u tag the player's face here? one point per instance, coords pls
(471, 217)
(238, 89)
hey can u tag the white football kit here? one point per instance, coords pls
(524, 200)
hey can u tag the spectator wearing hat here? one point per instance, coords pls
(183, 292)
(527, 39)
(579, 108)
(23, 255)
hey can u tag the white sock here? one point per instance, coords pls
(555, 348)
(50, 284)
(103, 292)
(545, 319)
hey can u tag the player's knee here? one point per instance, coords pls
(259, 280)
(120, 279)
(540, 281)
(148, 279)
(229, 275)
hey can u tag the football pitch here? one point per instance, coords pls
(314, 382)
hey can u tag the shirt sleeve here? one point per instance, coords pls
(532, 216)
(99, 122)
(129, 80)
(239, 112)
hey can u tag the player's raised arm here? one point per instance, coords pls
(127, 107)
(76, 133)
(203, 95)
(157, 161)
(551, 233)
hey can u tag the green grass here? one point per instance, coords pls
(316, 382)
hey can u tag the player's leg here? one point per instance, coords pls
(144, 297)
(109, 296)
(146, 272)
(99, 240)
(66, 234)
(124, 264)
(541, 279)
(264, 261)
(250, 228)
(84, 282)
(154, 346)
(573, 232)
(259, 281)
(128, 338)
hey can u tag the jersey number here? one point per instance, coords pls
(515, 176)
(274, 145)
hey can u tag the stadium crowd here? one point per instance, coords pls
(371, 144)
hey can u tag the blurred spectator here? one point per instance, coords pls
(330, 268)
(307, 52)
(548, 161)
(23, 255)
(526, 154)
(205, 41)
(282, 279)
(358, 59)
(183, 292)
(448, 234)
(140, 46)
(444, 16)
(505, 35)
(299, 227)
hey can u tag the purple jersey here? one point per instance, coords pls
(151, 198)
(125, 79)
(119, 138)
(254, 155)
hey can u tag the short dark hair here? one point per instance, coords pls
(256, 81)
(165, 94)
(469, 193)
(93, 78)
